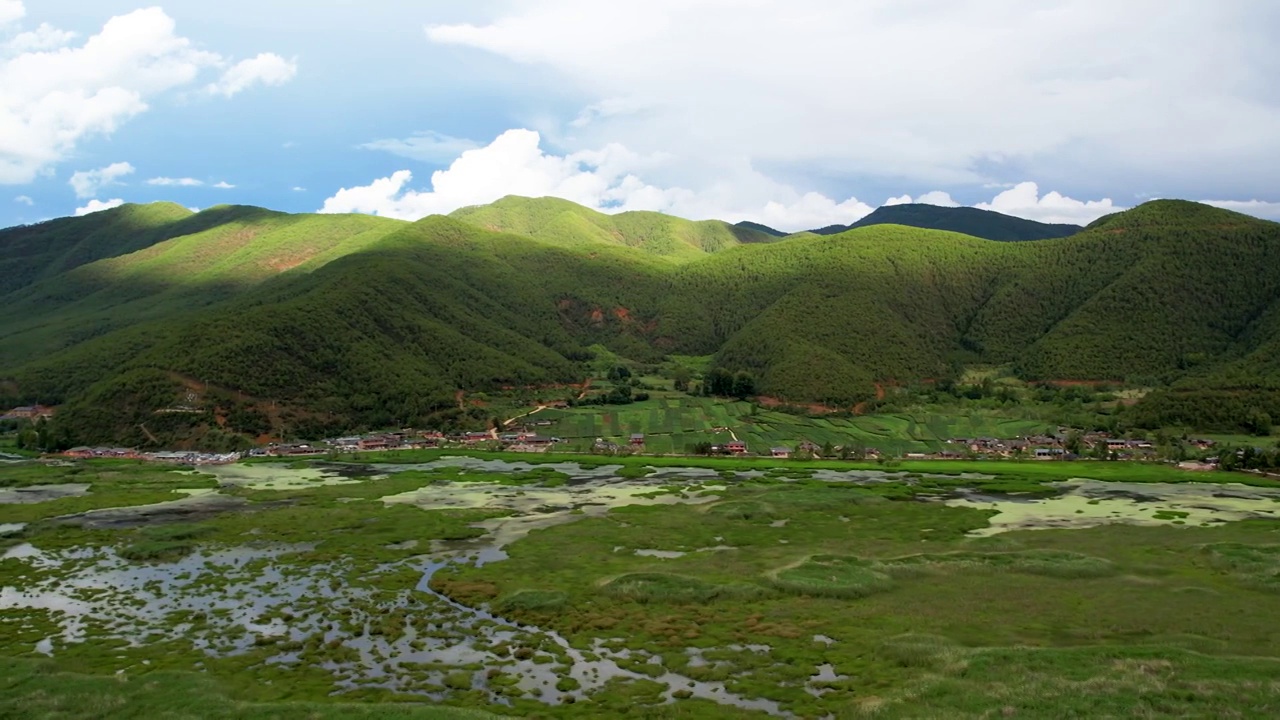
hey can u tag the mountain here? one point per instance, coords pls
(320, 323)
(970, 221)
(755, 227)
(565, 224)
(115, 268)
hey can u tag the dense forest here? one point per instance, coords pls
(149, 323)
(970, 221)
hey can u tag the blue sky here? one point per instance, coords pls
(797, 114)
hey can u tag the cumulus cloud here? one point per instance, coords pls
(98, 206)
(612, 180)
(44, 37)
(24, 200)
(57, 93)
(10, 11)
(923, 93)
(1024, 200)
(87, 183)
(223, 185)
(937, 197)
(426, 146)
(606, 180)
(265, 69)
(1257, 208)
(175, 182)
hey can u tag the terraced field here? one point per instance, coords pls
(673, 424)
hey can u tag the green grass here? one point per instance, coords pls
(919, 618)
(33, 688)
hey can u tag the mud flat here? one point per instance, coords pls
(41, 493)
(1092, 503)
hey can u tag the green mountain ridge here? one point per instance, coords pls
(341, 322)
(970, 221)
(566, 224)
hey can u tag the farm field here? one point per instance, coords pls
(674, 423)
(481, 586)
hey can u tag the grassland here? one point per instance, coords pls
(852, 598)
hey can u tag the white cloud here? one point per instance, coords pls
(937, 197)
(923, 93)
(426, 146)
(223, 185)
(175, 182)
(299, 188)
(44, 37)
(265, 69)
(1024, 201)
(1257, 208)
(607, 108)
(515, 164)
(24, 200)
(98, 206)
(10, 11)
(87, 183)
(56, 94)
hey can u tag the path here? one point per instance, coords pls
(538, 409)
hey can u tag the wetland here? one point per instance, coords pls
(493, 585)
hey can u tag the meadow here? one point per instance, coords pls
(441, 586)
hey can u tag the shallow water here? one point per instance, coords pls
(1090, 503)
(41, 493)
(276, 476)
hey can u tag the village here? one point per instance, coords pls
(1065, 445)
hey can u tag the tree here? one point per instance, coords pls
(680, 378)
(1074, 444)
(619, 373)
(719, 382)
(744, 385)
(1258, 423)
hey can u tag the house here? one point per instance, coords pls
(539, 440)
(736, 447)
(297, 449)
(28, 412)
(79, 452)
(476, 437)
(637, 440)
(373, 443)
(780, 452)
(808, 446)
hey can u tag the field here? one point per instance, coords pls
(439, 586)
(673, 423)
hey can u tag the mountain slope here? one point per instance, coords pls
(565, 224)
(200, 260)
(347, 321)
(970, 221)
(33, 252)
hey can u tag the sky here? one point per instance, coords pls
(797, 113)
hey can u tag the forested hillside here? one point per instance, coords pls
(256, 319)
(562, 223)
(970, 221)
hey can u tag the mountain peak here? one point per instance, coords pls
(1173, 213)
(985, 224)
